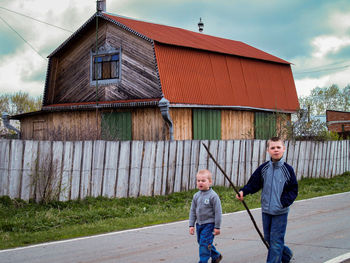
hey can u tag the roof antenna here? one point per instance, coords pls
(200, 25)
(101, 6)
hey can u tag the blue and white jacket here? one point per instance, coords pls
(279, 186)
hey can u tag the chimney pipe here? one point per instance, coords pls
(200, 25)
(101, 6)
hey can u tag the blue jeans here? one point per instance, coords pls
(205, 238)
(274, 231)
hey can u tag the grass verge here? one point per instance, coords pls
(23, 223)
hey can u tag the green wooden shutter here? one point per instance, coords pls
(116, 126)
(265, 125)
(206, 124)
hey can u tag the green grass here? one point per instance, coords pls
(23, 223)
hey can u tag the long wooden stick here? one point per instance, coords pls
(243, 202)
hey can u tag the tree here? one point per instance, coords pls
(19, 102)
(305, 125)
(4, 103)
(327, 98)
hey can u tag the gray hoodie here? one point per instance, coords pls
(206, 208)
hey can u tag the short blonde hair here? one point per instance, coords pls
(205, 172)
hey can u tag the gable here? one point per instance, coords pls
(70, 77)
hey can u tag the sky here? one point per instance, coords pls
(313, 35)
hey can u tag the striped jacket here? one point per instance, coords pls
(279, 186)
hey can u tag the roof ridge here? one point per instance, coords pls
(186, 38)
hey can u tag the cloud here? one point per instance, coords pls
(16, 73)
(323, 45)
(327, 63)
(23, 64)
(309, 34)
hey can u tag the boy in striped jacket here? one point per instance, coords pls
(279, 187)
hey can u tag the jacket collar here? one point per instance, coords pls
(278, 163)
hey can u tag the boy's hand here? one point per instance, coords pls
(191, 230)
(216, 232)
(240, 196)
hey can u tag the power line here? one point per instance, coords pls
(22, 37)
(330, 64)
(322, 70)
(46, 23)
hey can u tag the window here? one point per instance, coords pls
(105, 65)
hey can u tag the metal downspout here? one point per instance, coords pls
(6, 121)
(164, 109)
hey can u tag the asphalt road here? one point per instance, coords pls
(318, 230)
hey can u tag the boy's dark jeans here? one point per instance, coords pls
(205, 238)
(274, 231)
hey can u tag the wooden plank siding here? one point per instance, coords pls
(74, 125)
(148, 125)
(237, 125)
(134, 168)
(182, 122)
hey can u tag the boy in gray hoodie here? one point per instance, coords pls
(206, 212)
(279, 187)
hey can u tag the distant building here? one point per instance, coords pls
(339, 122)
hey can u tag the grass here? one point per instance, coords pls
(23, 223)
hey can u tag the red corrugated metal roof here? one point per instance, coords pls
(195, 68)
(181, 37)
(200, 77)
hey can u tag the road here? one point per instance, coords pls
(318, 230)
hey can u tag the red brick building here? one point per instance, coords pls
(339, 121)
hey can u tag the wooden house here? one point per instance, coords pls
(339, 122)
(118, 78)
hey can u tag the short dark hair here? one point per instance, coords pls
(274, 139)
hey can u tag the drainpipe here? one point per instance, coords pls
(164, 109)
(6, 121)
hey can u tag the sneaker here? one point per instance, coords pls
(218, 259)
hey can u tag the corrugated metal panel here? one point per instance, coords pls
(116, 126)
(206, 124)
(265, 125)
(181, 37)
(199, 77)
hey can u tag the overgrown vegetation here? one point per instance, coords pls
(17, 103)
(307, 124)
(45, 181)
(23, 223)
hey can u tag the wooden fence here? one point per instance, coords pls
(72, 170)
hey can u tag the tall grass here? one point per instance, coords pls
(23, 223)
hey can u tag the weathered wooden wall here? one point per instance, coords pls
(148, 125)
(69, 69)
(73, 125)
(237, 125)
(133, 168)
(182, 123)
